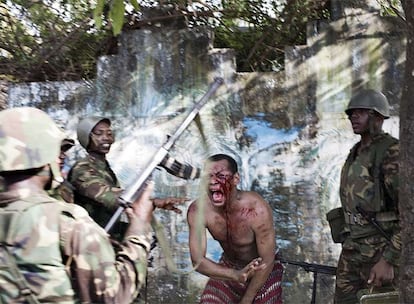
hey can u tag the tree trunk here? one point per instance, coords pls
(406, 195)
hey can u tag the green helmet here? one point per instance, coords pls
(66, 144)
(86, 126)
(370, 99)
(29, 138)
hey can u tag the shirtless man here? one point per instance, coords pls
(242, 222)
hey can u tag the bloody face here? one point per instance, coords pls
(221, 182)
(359, 119)
(101, 138)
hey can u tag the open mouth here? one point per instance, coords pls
(217, 196)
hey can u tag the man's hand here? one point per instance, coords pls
(142, 207)
(382, 272)
(243, 275)
(169, 203)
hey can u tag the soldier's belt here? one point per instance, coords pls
(358, 218)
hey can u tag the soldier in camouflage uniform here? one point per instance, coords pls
(52, 251)
(65, 146)
(369, 190)
(96, 186)
(65, 190)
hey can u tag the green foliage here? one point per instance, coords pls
(391, 7)
(258, 30)
(116, 14)
(61, 39)
(97, 13)
(259, 35)
(48, 40)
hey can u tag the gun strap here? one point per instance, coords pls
(20, 280)
(358, 218)
(176, 168)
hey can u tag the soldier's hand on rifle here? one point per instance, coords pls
(169, 203)
(249, 270)
(381, 272)
(142, 207)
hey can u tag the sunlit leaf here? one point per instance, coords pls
(135, 4)
(97, 13)
(116, 15)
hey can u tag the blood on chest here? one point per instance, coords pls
(234, 229)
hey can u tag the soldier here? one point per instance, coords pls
(52, 251)
(65, 146)
(65, 190)
(96, 186)
(369, 196)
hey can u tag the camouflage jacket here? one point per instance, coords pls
(370, 180)
(64, 192)
(64, 255)
(96, 188)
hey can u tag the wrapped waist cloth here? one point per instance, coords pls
(231, 292)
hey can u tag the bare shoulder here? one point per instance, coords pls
(193, 206)
(193, 209)
(253, 199)
(253, 203)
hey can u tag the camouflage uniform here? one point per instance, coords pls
(64, 192)
(65, 256)
(376, 191)
(97, 189)
(50, 250)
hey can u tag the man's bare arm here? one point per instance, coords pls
(263, 228)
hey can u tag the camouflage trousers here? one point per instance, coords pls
(354, 266)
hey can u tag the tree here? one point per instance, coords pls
(61, 39)
(257, 30)
(49, 40)
(407, 164)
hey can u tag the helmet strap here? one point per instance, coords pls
(374, 125)
(52, 171)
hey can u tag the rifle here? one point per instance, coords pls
(315, 268)
(373, 221)
(311, 267)
(134, 191)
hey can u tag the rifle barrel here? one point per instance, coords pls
(311, 267)
(135, 190)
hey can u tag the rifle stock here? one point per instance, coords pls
(135, 190)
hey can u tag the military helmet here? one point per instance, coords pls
(86, 126)
(66, 144)
(370, 99)
(29, 138)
